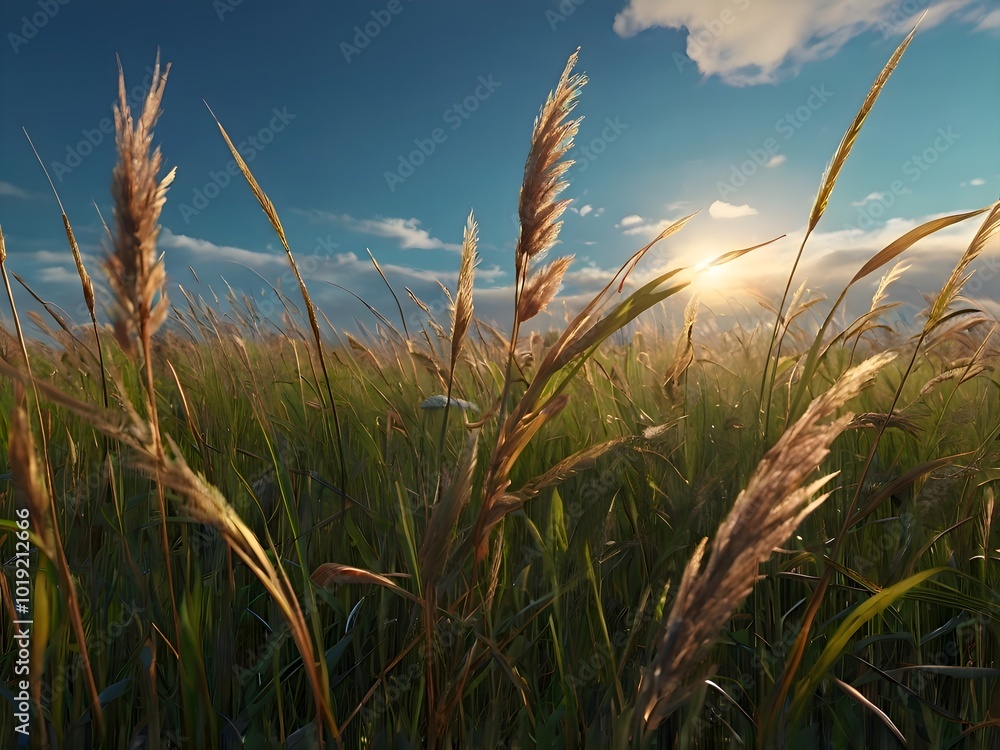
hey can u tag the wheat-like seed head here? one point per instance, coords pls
(764, 515)
(886, 281)
(847, 142)
(135, 270)
(462, 307)
(538, 209)
(541, 287)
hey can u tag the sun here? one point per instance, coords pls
(709, 278)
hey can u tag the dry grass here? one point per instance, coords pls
(773, 504)
(464, 552)
(135, 270)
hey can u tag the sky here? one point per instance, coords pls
(379, 126)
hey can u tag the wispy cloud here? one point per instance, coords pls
(7, 190)
(407, 232)
(748, 42)
(988, 21)
(723, 210)
(206, 252)
(775, 161)
(636, 226)
(876, 196)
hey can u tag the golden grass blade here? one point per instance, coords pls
(569, 466)
(651, 293)
(857, 695)
(631, 263)
(88, 285)
(766, 512)
(514, 438)
(402, 318)
(334, 574)
(882, 257)
(205, 504)
(272, 216)
(893, 249)
(85, 280)
(847, 142)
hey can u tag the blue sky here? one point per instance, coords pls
(381, 125)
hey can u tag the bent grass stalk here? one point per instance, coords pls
(816, 213)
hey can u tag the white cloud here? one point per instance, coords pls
(723, 210)
(584, 210)
(8, 190)
(749, 42)
(209, 251)
(636, 226)
(989, 22)
(405, 231)
(876, 196)
(678, 205)
(977, 181)
(630, 220)
(775, 161)
(58, 275)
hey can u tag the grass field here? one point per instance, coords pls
(643, 535)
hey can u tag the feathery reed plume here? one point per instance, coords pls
(886, 281)
(552, 137)
(764, 515)
(538, 209)
(541, 287)
(684, 355)
(462, 309)
(135, 270)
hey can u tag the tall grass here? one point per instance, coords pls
(779, 535)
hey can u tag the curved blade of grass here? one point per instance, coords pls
(819, 207)
(272, 216)
(860, 698)
(881, 258)
(329, 574)
(839, 641)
